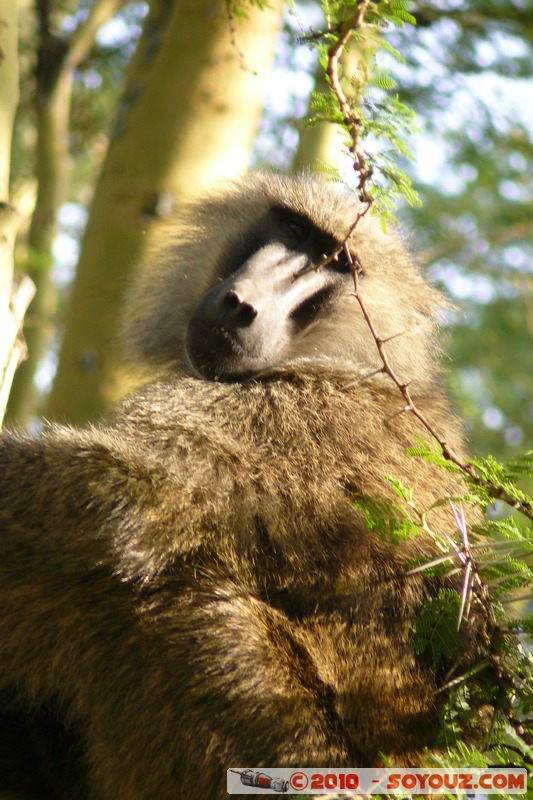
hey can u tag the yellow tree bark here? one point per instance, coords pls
(324, 144)
(188, 116)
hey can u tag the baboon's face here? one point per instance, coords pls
(269, 295)
(234, 290)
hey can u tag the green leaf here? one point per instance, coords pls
(387, 518)
(435, 632)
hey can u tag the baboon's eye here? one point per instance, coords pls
(295, 228)
(298, 228)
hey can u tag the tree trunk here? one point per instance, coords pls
(13, 299)
(188, 117)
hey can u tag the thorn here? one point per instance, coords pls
(305, 270)
(401, 411)
(375, 372)
(361, 378)
(394, 336)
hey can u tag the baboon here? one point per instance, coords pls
(188, 585)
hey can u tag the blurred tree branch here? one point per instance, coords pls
(57, 59)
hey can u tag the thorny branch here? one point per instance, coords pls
(494, 491)
(230, 14)
(351, 117)
(352, 121)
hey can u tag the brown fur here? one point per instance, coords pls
(187, 586)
